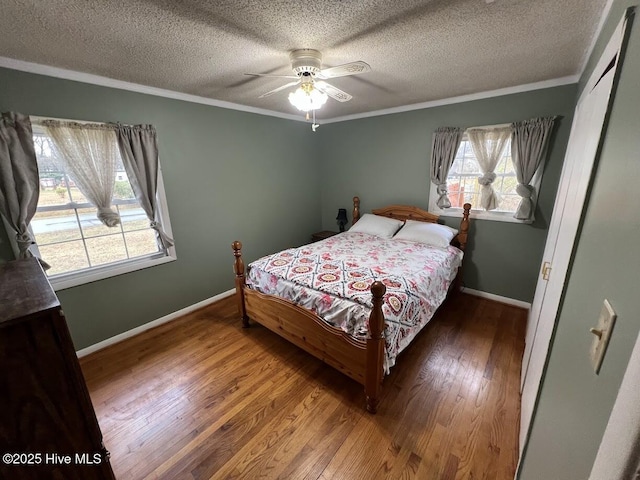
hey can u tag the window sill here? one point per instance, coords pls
(74, 279)
(456, 212)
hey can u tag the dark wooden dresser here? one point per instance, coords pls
(48, 428)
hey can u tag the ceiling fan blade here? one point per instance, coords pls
(269, 75)
(279, 89)
(333, 92)
(353, 68)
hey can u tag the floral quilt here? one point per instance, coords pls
(333, 278)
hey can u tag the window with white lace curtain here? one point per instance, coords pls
(463, 185)
(74, 241)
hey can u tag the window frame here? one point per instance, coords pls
(75, 278)
(479, 213)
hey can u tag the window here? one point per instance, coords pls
(463, 186)
(69, 236)
(462, 182)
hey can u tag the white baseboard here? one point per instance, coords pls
(155, 323)
(497, 298)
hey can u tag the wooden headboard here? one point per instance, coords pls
(408, 212)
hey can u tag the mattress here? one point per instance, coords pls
(333, 278)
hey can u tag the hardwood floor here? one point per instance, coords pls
(202, 398)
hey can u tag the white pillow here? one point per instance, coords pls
(429, 233)
(377, 225)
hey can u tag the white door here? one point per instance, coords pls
(574, 152)
(583, 144)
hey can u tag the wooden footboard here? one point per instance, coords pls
(362, 361)
(306, 330)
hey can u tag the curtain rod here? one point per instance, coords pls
(38, 120)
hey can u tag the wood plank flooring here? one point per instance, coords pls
(201, 398)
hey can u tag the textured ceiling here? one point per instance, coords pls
(419, 51)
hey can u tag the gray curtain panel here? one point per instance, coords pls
(139, 151)
(446, 141)
(529, 145)
(19, 181)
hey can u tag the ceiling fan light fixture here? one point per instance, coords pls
(311, 94)
(306, 98)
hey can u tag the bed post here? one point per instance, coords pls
(238, 267)
(375, 349)
(356, 210)
(462, 241)
(464, 226)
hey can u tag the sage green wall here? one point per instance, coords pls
(385, 160)
(270, 182)
(575, 404)
(228, 175)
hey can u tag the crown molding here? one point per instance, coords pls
(556, 82)
(92, 79)
(56, 72)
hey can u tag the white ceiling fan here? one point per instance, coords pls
(309, 74)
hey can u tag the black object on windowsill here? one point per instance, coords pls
(342, 218)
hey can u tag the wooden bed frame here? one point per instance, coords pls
(360, 360)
